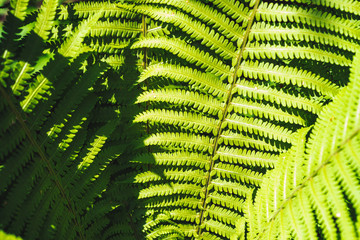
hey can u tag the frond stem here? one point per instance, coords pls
(45, 160)
(145, 65)
(228, 100)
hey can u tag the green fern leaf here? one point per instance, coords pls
(71, 47)
(197, 9)
(219, 119)
(317, 185)
(288, 75)
(96, 145)
(198, 101)
(115, 28)
(195, 29)
(19, 8)
(312, 17)
(45, 19)
(196, 78)
(174, 159)
(187, 52)
(261, 51)
(185, 120)
(263, 31)
(107, 9)
(263, 111)
(183, 140)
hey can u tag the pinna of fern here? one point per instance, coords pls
(8, 236)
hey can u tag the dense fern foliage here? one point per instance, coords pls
(62, 128)
(324, 183)
(242, 79)
(174, 119)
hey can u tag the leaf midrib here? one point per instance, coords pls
(222, 121)
(47, 162)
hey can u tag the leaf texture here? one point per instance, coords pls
(56, 152)
(243, 78)
(172, 119)
(314, 191)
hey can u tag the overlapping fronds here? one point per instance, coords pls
(315, 192)
(70, 49)
(243, 123)
(58, 157)
(241, 79)
(88, 8)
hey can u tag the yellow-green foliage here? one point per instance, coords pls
(181, 119)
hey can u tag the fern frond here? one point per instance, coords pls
(223, 215)
(165, 231)
(236, 139)
(183, 140)
(187, 215)
(220, 21)
(96, 144)
(115, 29)
(205, 81)
(40, 87)
(103, 46)
(313, 17)
(201, 102)
(218, 228)
(245, 123)
(186, 202)
(258, 92)
(228, 201)
(195, 29)
(238, 173)
(35, 92)
(267, 88)
(325, 185)
(185, 120)
(39, 164)
(288, 75)
(263, 111)
(45, 18)
(19, 8)
(230, 187)
(170, 189)
(174, 159)
(248, 157)
(21, 75)
(108, 9)
(264, 31)
(267, 51)
(71, 47)
(258, 127)
(188, 52)
(236, 9)
(114, 61)
(347, 6)
(195, 176)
